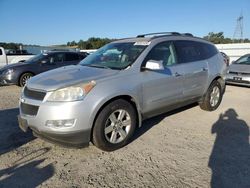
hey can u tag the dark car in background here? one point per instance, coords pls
(239, 71)
(19, 73)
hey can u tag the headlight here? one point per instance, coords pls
(73, 93)
(8, 71)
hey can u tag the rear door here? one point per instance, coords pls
(193, 66)
(161, 88)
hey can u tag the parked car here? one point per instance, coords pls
(13, 56)
(19, 73)
(226, 58)
(106, 96)
(239, 71)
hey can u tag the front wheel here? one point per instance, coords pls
(24, 78)
(114, 125)
(213, 97)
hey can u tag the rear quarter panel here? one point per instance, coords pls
(216, 68)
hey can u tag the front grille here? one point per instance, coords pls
(32, 94)
(28, 109)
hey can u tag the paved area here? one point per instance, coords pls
(185, 148)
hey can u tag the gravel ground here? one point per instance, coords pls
(185, 148)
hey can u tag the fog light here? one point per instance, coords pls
(61, 123)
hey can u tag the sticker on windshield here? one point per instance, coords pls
(142, 43)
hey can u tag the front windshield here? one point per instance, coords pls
(243, 60)
(36, 58)
(114, 55)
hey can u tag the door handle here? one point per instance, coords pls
(177, 74)
(204, 69)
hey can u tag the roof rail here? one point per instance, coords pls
(160, 33)
(187, 34)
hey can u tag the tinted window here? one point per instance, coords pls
(1, 53)
(72, 57)
(58, 57)
(82, 55)
(162, 52)
(188, 51)
(208, 50)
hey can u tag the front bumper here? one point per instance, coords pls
(72, 139)
(238, 79)
(8, 80)
(34, 114)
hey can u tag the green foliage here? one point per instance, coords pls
(218, 38)
(91, 43)
(11, 45)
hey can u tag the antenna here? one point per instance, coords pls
(238, 32)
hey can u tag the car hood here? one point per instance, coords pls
(67, 76)
(14, 65)
(242, 68)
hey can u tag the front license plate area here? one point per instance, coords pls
(23, 124)
(237, 78)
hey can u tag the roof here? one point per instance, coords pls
(152, 36)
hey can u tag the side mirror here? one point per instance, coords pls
(154, 65)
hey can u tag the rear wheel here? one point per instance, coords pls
(212, 98)
(114, 125)
(24, 78)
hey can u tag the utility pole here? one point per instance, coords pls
(238, 32)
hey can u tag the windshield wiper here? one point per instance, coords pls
(97, 66)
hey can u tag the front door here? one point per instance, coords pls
(161, 88)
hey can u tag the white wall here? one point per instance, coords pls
(89, 51)
(235, 50)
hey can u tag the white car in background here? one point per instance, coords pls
(13, 56)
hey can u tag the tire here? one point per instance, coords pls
(24, 78)
(212, 98)
(118, 119)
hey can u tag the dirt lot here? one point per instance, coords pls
(185, 148)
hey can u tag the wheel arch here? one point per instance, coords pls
(220, 79)
(24, 72)
(127, 98)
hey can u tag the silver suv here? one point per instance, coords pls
(106, 96)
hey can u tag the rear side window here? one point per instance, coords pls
(208, 50)
(1, 53)
(190, 51)
(82, 55)
(72, 57)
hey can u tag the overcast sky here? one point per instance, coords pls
(47, 22)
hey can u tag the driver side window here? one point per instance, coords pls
(163, 52)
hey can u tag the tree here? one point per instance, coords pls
(218, 38)
(91, 43)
